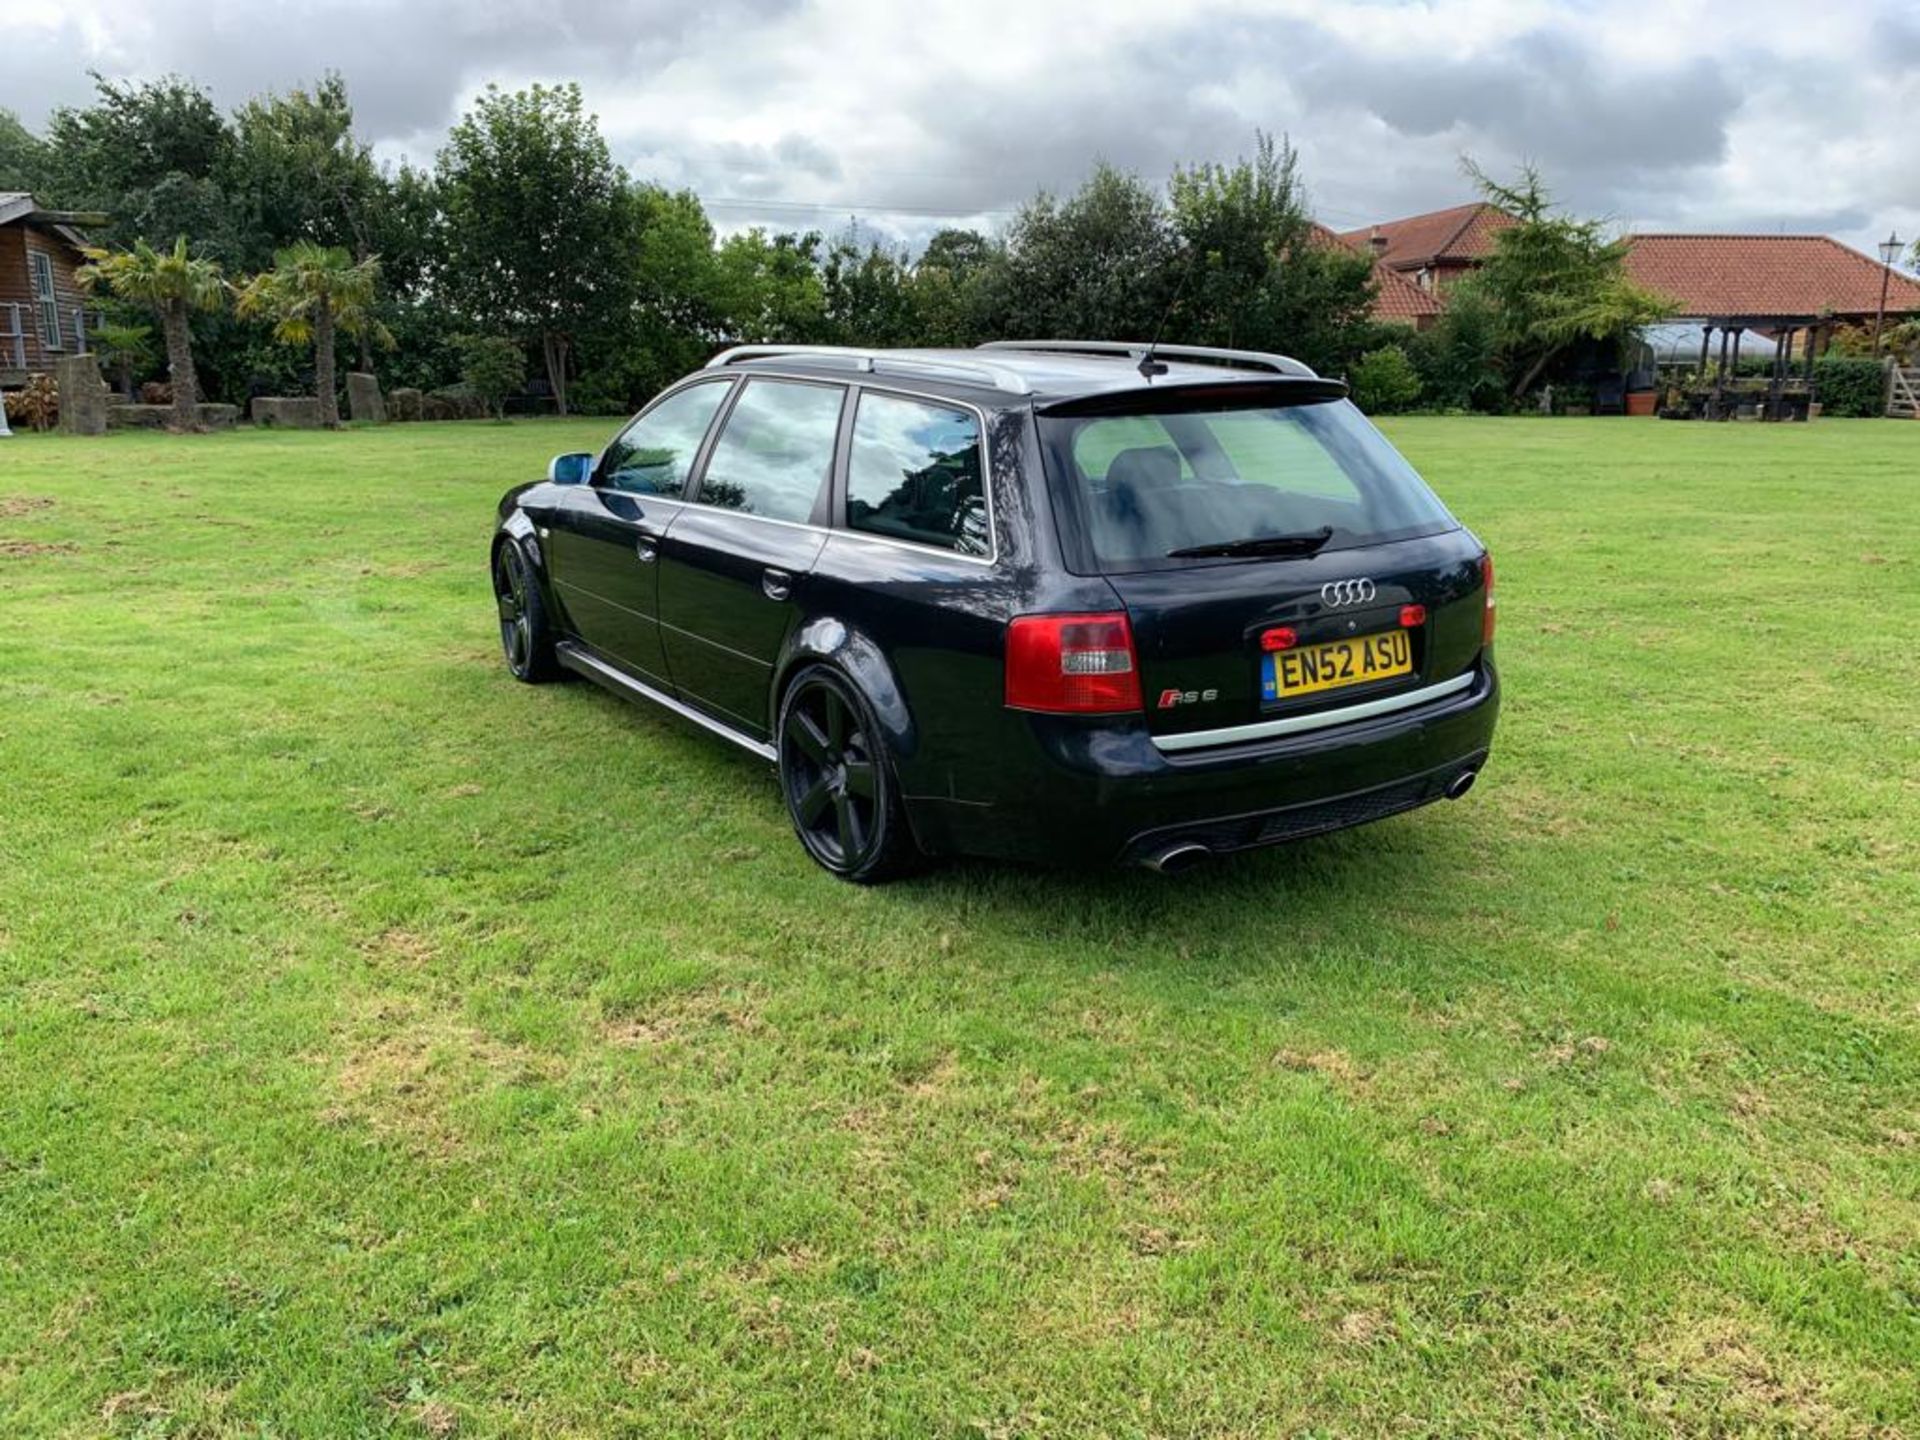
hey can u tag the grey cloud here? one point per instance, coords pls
(1543, 96)
(406, 64)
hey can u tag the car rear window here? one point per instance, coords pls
(1142, 485)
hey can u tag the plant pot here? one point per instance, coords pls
(1643, 402)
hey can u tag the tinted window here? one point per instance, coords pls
(654, 453)
(1148, 484)
(915, 474)
(775, 450)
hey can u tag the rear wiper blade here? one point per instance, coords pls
(1306, 542)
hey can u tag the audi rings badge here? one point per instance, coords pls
(1346, 592)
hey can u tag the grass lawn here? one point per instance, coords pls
(387, 1048)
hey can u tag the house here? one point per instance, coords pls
(43, 312)
(1435, 249)
(1397, 299)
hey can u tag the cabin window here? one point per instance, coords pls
(44, 298)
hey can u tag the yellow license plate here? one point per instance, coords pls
(1288, 674)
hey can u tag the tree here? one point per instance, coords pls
(534, 206)
(866, 295)
(1098, 265)
(313, 293)
(768, 288)
(296, 170)
(955, 286)
(175, 284)
(1553, 279)
(493, 367)
(123, 349)
(146, 154)
(25, 159)
(1258, 273)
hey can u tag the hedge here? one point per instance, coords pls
(1850, 386)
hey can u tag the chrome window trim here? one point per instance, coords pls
(1319, 720)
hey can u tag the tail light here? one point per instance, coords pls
(1072, 664)
(1486, 579)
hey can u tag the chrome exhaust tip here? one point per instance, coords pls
(1180, 856)
(1461, 783)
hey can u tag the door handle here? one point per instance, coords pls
(647, 547)
(777, 584)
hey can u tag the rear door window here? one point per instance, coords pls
(915, 473)
(775, 450)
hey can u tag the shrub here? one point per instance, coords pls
(1847, 386)
(37, 407)
(492, 368)
(601, 393)
(156, 392)
(1458, 359)
(1385, 382)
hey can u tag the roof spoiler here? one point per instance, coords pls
(1163, 397)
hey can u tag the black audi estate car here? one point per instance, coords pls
(1049, 601)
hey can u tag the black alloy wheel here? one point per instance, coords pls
(523, 622)
(834, 774)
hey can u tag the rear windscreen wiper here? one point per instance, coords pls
(1306, 542)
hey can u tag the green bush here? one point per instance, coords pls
(1384, 381)
(601, 393)
(1848, 386)
(492, 368)
(1458, 359)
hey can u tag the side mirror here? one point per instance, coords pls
(574, 469)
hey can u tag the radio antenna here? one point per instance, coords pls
(1150, 367)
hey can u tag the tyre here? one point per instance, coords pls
(525, 635)
(839, 786)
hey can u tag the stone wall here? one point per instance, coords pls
(291, 412)
(158, 417)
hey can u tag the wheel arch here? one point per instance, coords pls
(516, 528)
(831, 641)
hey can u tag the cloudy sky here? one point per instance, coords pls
(908, 114)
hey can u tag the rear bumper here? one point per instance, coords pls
(1077, 791)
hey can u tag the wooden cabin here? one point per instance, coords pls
(43, 312)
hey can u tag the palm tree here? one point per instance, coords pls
(313, 293)
(175, 284)
(124, 349)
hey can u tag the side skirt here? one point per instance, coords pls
(597, 670)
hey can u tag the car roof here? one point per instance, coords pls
(1006, 375)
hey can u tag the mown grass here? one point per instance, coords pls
(389, 1049)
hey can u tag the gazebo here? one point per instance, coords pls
(1787, 291)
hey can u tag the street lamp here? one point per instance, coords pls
(1889, 252)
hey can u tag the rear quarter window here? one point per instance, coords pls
(914, 473)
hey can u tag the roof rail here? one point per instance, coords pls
(1136, 349)
(978, 372)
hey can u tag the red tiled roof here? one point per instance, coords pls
(1462, 233)
(1398, 298)
(1722, 276)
